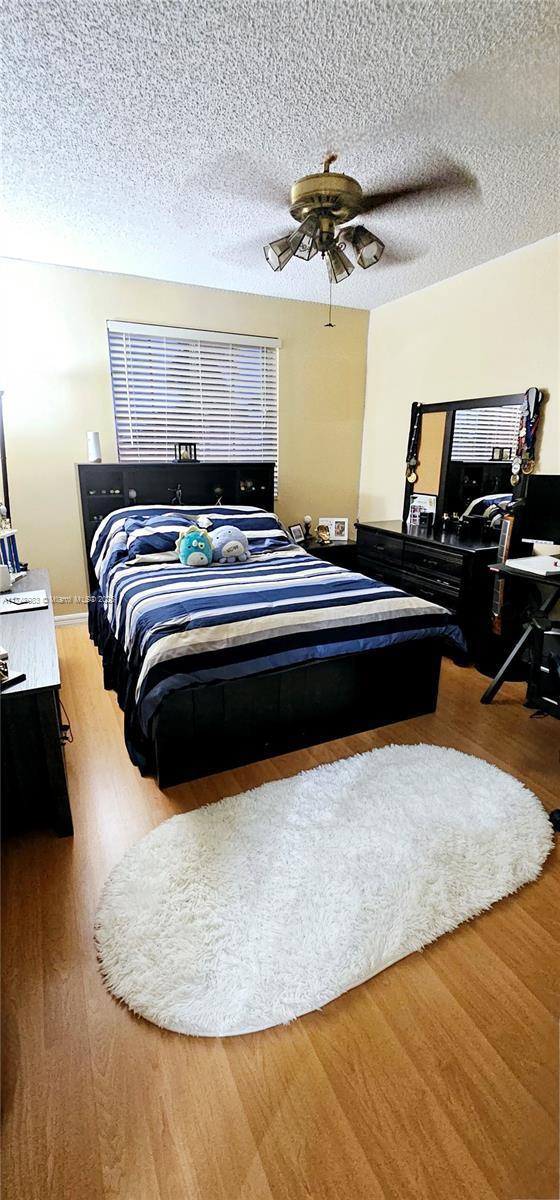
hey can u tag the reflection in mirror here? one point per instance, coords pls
(484, 443)
(479, 433)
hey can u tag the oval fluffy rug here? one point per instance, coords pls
(257, 909)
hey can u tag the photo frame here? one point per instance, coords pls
(337, 527)
(185, 451)
(424, 502)
(296, 532)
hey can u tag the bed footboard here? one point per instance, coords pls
(216, 727)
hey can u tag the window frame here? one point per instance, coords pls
(137, 329)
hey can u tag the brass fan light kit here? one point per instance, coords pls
(324, 202)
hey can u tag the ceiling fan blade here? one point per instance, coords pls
(398, 256)
(233, 175)
(452, 178)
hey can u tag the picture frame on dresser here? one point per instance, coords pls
(337, 527)
(297, 532)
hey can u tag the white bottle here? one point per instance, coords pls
(94, 448)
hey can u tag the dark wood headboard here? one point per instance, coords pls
(103, 487)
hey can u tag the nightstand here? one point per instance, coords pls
(342, 554)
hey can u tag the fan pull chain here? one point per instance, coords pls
(329, 324)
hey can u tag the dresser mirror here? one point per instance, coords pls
(461, 460)
(483, 448)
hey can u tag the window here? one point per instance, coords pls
(187, 385)
(477, 431)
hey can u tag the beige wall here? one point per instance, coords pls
(491, 331)
(55, 376)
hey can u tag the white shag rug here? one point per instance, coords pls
(264, 906)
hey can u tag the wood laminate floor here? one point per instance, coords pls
(437, 1080)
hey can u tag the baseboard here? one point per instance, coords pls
(78, 618)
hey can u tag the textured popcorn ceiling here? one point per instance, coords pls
(160, 137)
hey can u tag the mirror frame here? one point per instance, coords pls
(450, 407)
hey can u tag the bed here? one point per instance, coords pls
(226, 664)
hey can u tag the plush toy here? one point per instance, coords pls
(194, 548)
(229, 545)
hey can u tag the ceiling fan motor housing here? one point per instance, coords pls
(339, 194)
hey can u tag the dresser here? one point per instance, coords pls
(438, 566)
(34, 785)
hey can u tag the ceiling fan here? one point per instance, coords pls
(322, 203)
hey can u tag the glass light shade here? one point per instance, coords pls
(301, 243)
(279, 253)
(339, 266)
(367, 247)
(303, 240)
(307, 248)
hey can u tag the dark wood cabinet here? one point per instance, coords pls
(34, 786)
(342, 554)
(382, 546)
(543, 692)
(438, 567)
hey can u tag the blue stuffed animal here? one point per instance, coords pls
(194, 548)
(229, 545)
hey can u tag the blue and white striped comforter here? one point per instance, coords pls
(184, 626)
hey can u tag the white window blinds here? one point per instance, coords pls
(477, 431)
(184, 385)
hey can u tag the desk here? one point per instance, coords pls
(551, 581)
(34, 787)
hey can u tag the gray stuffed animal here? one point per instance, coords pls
(229, 545)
